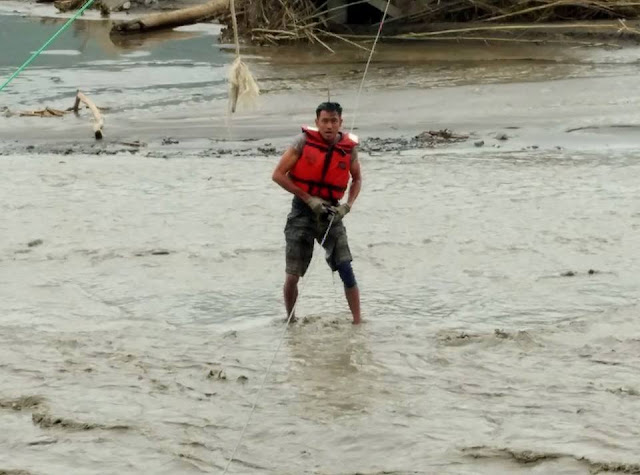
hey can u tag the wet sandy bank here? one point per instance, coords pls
(563, 114)
(141, 296)
(167, 94)
(146, 294)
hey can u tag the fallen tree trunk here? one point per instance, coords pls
(164, 20)
(99, 121)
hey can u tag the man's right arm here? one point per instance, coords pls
(281, 177)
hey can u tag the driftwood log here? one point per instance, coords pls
(46, 112)
(164, 20)
(98, 120)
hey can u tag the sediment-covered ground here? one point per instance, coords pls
(140, 276)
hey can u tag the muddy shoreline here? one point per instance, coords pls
(479, 126)
(495, 242)
(499, 97)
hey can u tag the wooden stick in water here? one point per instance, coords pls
(99, 121)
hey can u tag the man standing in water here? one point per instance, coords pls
(316, 169)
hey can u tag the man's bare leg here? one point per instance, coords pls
(291, 294)
(353, 299)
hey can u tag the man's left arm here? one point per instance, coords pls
(356, 182)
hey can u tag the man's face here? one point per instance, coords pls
(329, 124)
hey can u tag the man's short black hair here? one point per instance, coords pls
(329, 107)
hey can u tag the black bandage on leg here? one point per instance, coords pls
(346, 274)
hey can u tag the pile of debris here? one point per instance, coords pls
(427, 139)
(357, 21)
(267, 21)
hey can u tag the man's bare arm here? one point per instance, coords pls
(281, 177)
(356, 182)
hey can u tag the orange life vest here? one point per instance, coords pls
(323, 170)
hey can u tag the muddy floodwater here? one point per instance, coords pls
(140, 277)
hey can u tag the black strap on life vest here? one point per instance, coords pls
(327, 163)
(318, 184)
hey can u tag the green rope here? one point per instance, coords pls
(49, 41)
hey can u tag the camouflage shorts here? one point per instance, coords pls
(302, 230)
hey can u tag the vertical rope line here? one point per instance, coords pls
(234, 21)
(286, 325)
(366, 69)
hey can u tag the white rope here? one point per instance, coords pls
(366, 69)
(255, 402)
(234, 21)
